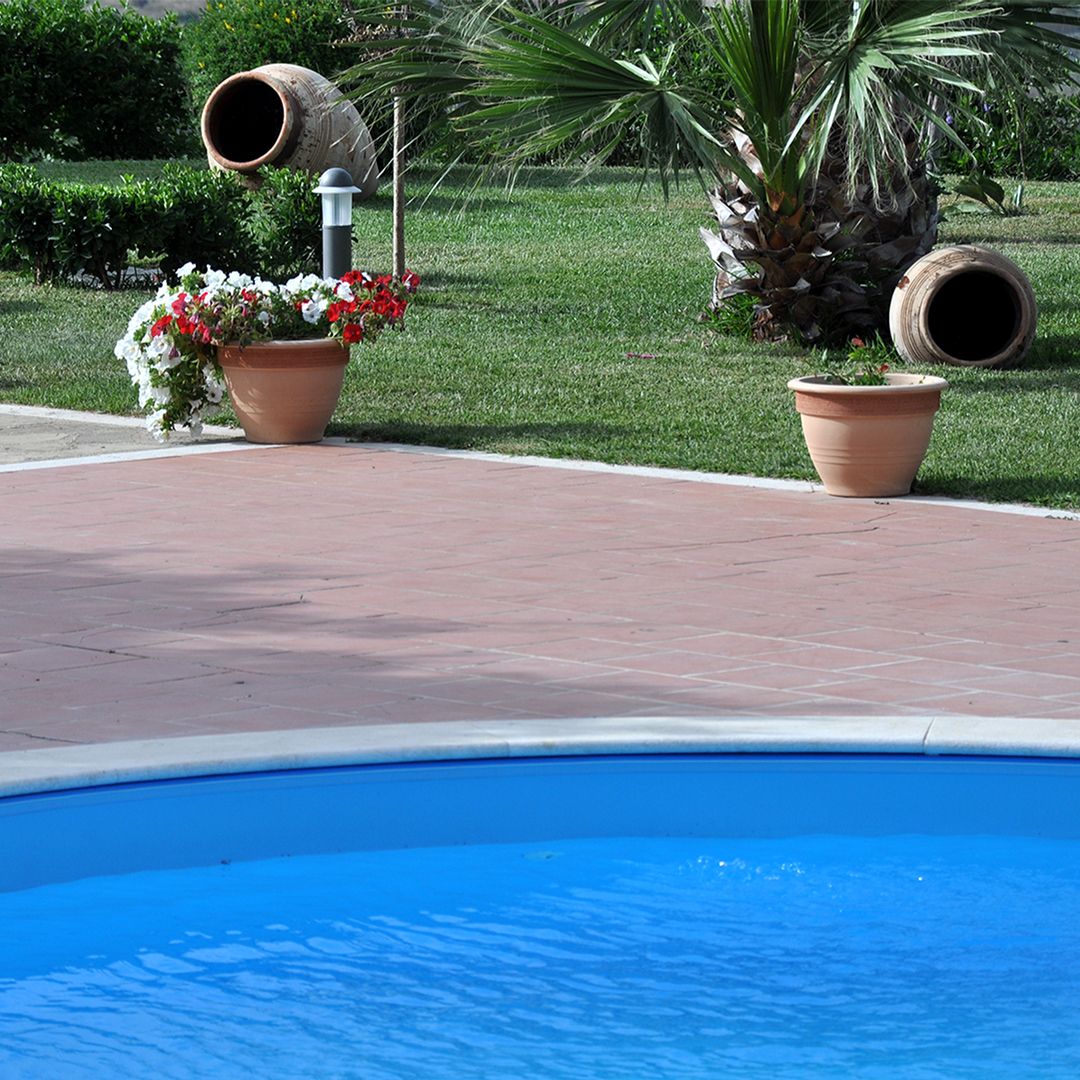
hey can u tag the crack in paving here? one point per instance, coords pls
(38, 738)
(262, 607)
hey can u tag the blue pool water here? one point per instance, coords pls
(683, 917)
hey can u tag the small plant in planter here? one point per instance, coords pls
(867, 428)
(868, 364)
(279, 349)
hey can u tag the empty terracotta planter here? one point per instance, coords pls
(283, 114)
(965, 305)
(868, 441)
(284, 391)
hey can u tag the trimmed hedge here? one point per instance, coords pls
(57, 230)
(93, 82)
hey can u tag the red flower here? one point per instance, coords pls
(353, 332)
(858, 343)
(161, 326)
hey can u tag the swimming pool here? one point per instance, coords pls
(683, 915)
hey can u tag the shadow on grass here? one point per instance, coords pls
(434, 279)
(479, 436)
(1045, 491)
(20, 307)
(1058, 376)
(455, 201)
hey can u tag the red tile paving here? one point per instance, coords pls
(324, 585)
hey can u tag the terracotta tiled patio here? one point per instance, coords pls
(334, 584)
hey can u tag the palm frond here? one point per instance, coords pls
(883, 74)
(542, 88)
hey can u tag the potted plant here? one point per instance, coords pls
(280, 350)
(867, 429)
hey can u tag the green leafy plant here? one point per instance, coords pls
(815, 140)
(867, 363)
(733, 319)
(90, 82)
(58, 230)
(238, 35)
(280, 226)
(27, 212)
(1019, 135)
(200, 219)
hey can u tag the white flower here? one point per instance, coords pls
(344, 292)
(214, 279)
(153, 425)
(215, 388)
(239, 281)
(159, 347)
(311, 312)
(187, 268)
(264, 317)
(173, 358)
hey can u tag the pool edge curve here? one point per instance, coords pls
(24, 772)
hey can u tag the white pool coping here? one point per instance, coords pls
(25, 772)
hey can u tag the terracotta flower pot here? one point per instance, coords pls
(284, 391)
(868, 440)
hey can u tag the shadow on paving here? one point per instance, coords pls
(92, 650)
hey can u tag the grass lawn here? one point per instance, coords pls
(560, 320)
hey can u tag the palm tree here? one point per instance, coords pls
(813, 133)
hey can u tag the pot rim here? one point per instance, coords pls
(283, 343)
(286, 135)
(896, 383)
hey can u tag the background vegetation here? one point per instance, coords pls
(89, 82)
(58, 229)
(560, 319)
(237, 35)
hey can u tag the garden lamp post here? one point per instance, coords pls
(337, 189)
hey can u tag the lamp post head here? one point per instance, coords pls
(337, 189)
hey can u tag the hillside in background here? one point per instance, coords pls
(183, 9)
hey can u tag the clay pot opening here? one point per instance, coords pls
(974, 315)
(244, 123)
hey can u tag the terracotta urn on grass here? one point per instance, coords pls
(284, 391)
(868, 441)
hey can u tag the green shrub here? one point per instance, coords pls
(96, 225)
(27, 209)
(57, 230)
(201, 220)
(283, 225)
(1020, 136)
(238, 35)
(90, 82)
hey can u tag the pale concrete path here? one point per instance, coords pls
(29, 433)
(324, 585)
